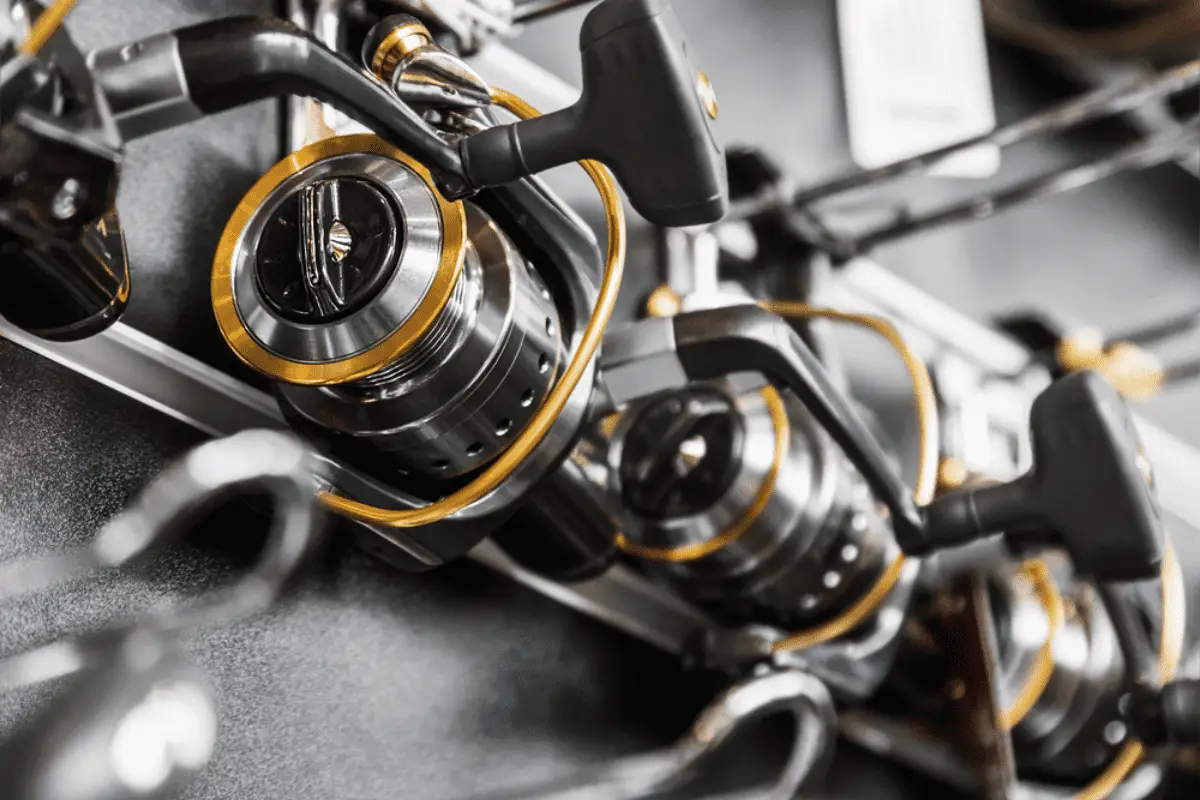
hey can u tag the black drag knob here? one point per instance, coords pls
(327, 250)
(681, 453)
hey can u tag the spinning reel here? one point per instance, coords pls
(431, 317)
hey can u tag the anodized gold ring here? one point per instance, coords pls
(395, 46)
(359, 365)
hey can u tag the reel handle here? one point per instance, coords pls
(1090, 489)
(645, 112)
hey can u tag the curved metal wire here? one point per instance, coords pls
(272, 462)
(793, 692)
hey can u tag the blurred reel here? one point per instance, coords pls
(139, 722)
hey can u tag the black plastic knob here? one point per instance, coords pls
(327, 250)
(1168, 716)
(681, 453)
(1088, 491)
(646, 112)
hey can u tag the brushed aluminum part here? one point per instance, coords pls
(1063, 734)
(412, 274)
(810, 550)
(471, 383)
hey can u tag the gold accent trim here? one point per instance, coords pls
(537, 428)
(401, 41)
(1042, 669)
(249, 350)
(1134, 372)
(608, 425)
(927, 467)
(43, 30)
(694, 552)
(952, 474)
(707, 95)
(664, 302)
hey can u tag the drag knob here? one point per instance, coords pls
(327, 250)
(680, 454)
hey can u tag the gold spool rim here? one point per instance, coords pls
(359, 365)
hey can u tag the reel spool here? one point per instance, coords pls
(743, 502)
(387, 313)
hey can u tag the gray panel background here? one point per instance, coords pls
(369, 683)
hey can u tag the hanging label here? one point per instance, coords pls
(916, 80)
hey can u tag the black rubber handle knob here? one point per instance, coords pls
(646, 112)
(1088, 491)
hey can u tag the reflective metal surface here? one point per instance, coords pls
(169, 381)
(66, 290)
(855, 666)
(1068, 730)
(568, 526)
(413, 273)
(471, 383)
(814, 546)
(402, 52)
(198, 395)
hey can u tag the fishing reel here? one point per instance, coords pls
(1025, 672)
(66, 273)
(427, 310)
(431, 316)
(1005, 675)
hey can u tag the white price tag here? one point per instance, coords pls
(916, 79)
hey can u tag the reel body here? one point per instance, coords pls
(428, 313)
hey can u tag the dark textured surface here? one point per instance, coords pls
(370, 683)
